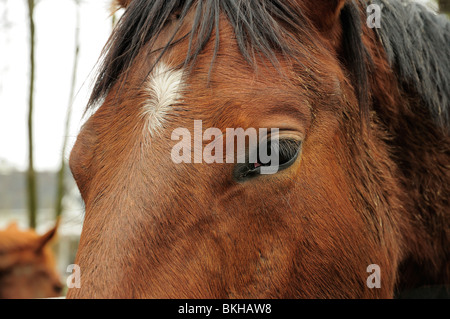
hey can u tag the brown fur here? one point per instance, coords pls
(154, 229)
(421, 151)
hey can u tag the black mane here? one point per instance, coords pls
(417, 43)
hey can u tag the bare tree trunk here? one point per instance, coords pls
(444, 6)
(31, 174)
(114, 20)
(61, 187)
(114, 6)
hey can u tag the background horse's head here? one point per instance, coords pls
(155, 228)
(27, 265)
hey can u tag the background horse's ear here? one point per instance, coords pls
(47, 237)
(13, 226)
(121, 3)
(324, 14)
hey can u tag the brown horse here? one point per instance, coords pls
(27, 265)
(362, 193)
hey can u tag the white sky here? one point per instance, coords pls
(55, 30)
(55, 33)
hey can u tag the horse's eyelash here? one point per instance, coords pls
(287, 147)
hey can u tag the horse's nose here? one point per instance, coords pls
(58, 287)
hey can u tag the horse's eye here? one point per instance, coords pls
(285, 151)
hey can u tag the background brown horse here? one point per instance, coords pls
(369, 110)
(27, 265)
